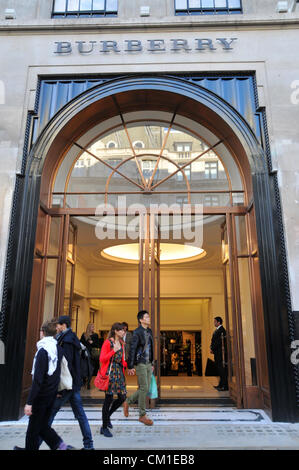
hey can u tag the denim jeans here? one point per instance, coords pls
(75, 400)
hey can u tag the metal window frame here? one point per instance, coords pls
(85, 13)
(208, 11)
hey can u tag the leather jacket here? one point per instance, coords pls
(137, 347)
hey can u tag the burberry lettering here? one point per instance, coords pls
(154, 46)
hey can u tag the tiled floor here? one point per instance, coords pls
(172, 387)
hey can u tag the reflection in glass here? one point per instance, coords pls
(73, 5)
(181, 4)
(220, 3)
(54, 236)
(231, 338)
(207, 3)
(247, 322)
(98, 4)
(50, 289)
(68, 284)
(59, 6)
(85, 5)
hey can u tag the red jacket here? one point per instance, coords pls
(106, 354)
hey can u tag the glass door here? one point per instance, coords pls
(149, 278)
(234, 363)
(66, 269)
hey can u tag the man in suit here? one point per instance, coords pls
(127, 339)
(219, 349)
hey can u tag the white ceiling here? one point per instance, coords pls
(89, 246)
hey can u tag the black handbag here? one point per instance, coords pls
(211, 369)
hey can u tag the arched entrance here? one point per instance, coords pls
(165, 103)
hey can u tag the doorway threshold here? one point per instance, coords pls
(203, 401)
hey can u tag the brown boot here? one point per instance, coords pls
(126, 408)
(145, 420)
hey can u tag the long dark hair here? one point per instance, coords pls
(115, 327)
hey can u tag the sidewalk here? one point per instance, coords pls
(185, 428)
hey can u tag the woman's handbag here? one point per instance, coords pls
(102, 381)
(153, 390)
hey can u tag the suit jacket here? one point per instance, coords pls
(216, 343)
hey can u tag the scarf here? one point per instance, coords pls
(50, 345)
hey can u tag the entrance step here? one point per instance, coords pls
(204, 401)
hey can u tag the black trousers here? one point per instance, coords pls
(110, 405)
(222, 371)
(38, 425)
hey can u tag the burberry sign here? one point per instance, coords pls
(149, 45)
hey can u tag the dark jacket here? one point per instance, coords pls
(95, 341)
(216, 343)
(70, 344)
(137, 352)
(44, 385)
(128, 341)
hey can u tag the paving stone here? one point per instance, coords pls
(174, 428)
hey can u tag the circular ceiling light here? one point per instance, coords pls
(169, 253)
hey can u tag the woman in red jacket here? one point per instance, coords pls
(112, 360)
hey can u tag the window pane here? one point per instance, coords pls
(220, 3)
(111, 5)
(98, 4)
(247, 322)
(181, 4)
(53, 248)
(234, 4)
(194, 3)
(59, 6)
(207, 3)
(85, 5)
(73, 5)
(49, 301)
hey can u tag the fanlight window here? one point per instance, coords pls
(174, 165)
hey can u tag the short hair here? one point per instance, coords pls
(64, 320)
(141, 314)
(219, 319)
(125, 324)
(49, 328)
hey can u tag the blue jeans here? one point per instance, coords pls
(75, 400)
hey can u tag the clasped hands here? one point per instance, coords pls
(133, 371)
